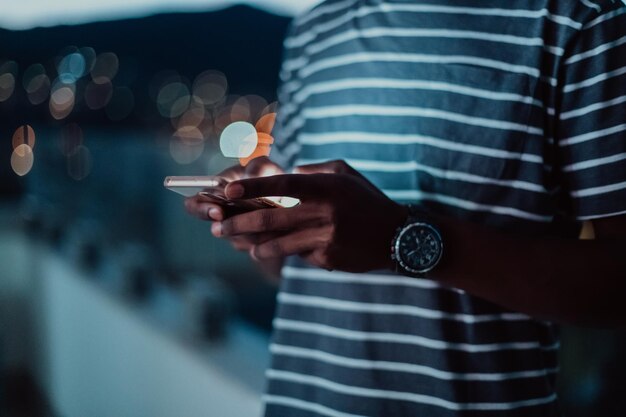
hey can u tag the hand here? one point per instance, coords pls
(343, 222)
(200, 208)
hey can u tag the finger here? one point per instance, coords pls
(262, 167)
(331, 167)
(265, 220)
(291, 185)
(203, 210)
(246, 242)
(287, 245)
(236, 172)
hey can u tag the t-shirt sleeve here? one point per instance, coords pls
(285, 128)
(591, 120)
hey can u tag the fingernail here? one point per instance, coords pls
(216, 229)
(234, 190)
(215, 214)
(252, 253)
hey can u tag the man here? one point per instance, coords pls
(504, 124)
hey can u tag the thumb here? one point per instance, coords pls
(290, 185)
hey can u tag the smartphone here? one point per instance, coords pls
(211, 188)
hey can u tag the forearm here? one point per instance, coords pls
(574, 281)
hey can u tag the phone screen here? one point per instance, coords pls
(211, 189)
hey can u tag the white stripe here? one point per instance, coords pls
(349, 15)
(407, 84)
(409, 339)
(287, 110)
(411, 166)
(314, 113)
(403, 111)
(593, 135)
(396, 57)
(417, 195)
(290, 150)
(601, 215)
(400, 395)
(595, 51)
(591, 5)
(290, 87)
(605, 17)
(592, 107)
(594, 80)
(288, 130)
(315, 274)
(591, 163)
(411, 368)
(605, 189)
(378, 308)
(383, 83)
(314, 139)
(324, 9)
(305, 405)
(400, 84)
(378, 32)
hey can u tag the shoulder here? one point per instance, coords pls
(585, 11)
(321, 12)
(305, 27)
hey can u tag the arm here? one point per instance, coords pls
(575, 281)
(345, 223)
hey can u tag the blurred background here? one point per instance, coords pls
(113, 302)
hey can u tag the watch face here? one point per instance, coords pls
(419, 247)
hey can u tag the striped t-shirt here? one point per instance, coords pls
(510, 114)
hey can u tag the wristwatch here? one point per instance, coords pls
(417, 246)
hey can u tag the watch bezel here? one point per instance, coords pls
(396, 247)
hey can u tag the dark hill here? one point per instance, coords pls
(243, 42)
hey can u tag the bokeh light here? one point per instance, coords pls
(36, 84)
(97, 95)
(89, 54)
(173, 99)
(193, 116)
(186, 145)
(263, 148)
(210, 87)
(121, 104)
(79, 163)
(238, 140)
(266, 123)
(8, 74)
(240, 110)
(71, 68)
(256, 105)
(23, 135)
(160, 79)
(221, 119)
(71, 138)
(189, 135)
(30, 73)
(62, 100)
(105, 68)
(7, 86)
(270, 108)
(22, 159)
